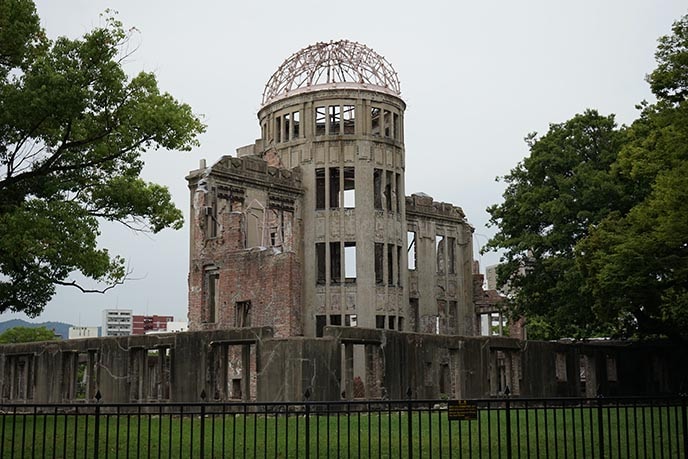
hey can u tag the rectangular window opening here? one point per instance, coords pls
(287, 127)
(320, 262)
(320, 321)
(334, 187)
(401, 324)
(388, 123)
(379, 321)
(278, 129)
(392, 322)
(439, 249)
(379, 254)
(319, 188)
(335, 119)
(350, 261)
(397, 192)
(390, 264)
(336, 319)
(397, 133)
(388, 189)
(320, 120)
(411, 251)
(349, 117)
(242, 316)
(350, 320)
(295, 125)
(212, 277)
(335, 262)
(375, 121)
(377, 189)
(349, 187)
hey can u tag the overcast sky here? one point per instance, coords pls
(477, 78)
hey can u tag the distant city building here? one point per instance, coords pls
(147, 324)
(177, 326)
(117, 322)
(83, 332)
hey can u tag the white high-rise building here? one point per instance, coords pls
(117, 322)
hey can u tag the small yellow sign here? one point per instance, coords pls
(462, 410)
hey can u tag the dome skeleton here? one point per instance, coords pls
(335, 64)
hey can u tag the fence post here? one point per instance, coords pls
(507, 393)
(96, 433)
(202, 448)
(600, 426)
(306, 396)
(685, 425)
(409, 431)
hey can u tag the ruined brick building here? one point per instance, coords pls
(310, 225)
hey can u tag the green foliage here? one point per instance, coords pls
(599, 247)
(73, 127)
(26, 335)
(551, 199)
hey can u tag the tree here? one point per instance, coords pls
(596, 244)
(26, 335)
(551, 199)
(73, 127)
(636, 264)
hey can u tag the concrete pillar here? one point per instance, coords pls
(246, 372)
(349, 371)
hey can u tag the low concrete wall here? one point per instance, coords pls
(348, 362)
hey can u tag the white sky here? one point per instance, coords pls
(476, 76)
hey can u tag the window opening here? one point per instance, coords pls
(379, 254)
(295, 125)
(411, 251)
(375, 121)
(349, 117)
(388, 123)
(320, 120)
(335, 262)
(243, 314)
(335, 119)
(212, 277)
(211, 215)
(349, 187)
(396, 127)
(278, 128)
(350, 261)
(390, 264)
(319, 188)
(388, 189)
(236, 388)
(439, 249)
(350, 320)
(336, 319)
(401, 324)
(320, 321)
(377, 188)
(320, 262)
(334, 187)
(379, 321)
(392, 322)
(287, 127)
(413, 309)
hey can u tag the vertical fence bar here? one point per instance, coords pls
(202, 429)
(96, 429)
(600, 427)
(684, 419)
(508, 426)
(409, 428)
(307, 440)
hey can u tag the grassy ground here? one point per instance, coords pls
(626, 432)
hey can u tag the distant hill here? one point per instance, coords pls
(60, 328)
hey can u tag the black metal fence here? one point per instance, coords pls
(492, 428)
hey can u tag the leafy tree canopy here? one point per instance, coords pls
(73, 126)
(26, 335)
(600, 247)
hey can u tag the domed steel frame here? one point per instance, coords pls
(337, 64)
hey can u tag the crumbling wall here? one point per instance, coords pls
(246, 244)
(441, 282)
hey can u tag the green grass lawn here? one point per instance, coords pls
(627, 432)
